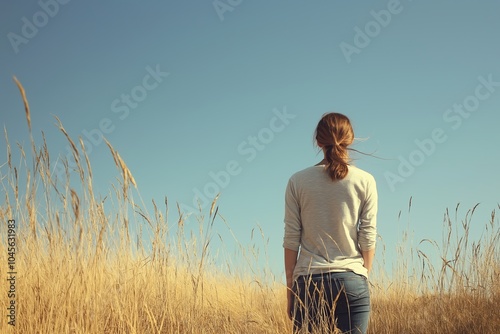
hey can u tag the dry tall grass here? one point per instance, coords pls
(80, 269)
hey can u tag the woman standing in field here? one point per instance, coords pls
(330, 234)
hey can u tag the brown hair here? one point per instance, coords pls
(333, 134)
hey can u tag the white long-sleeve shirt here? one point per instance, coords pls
(330, 221)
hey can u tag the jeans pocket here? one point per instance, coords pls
(356, 286)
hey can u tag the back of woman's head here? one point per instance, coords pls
(334, 134)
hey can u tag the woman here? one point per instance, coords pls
(330, 234)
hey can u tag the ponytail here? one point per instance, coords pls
(334, 134)
(336, 162)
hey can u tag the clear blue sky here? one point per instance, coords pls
(185, 90)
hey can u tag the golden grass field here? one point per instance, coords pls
(80, 270)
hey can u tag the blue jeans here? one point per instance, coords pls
(323, 301)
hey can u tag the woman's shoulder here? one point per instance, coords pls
(360, 173)
(308, 172)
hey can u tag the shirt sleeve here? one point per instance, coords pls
(293, 224)
(367, 234)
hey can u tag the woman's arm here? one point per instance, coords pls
(368, 258)
(290, 262)
(367, 234)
